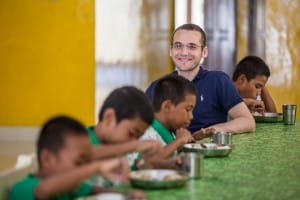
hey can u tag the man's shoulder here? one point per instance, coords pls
(211, 78)
(152, 85)
(217, 74)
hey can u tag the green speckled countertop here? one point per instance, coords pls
(263, 165)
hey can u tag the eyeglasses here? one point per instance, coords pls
(190, 46)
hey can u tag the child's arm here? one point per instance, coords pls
(255, 105)
(113, 150)
(268, 100)
(183, 136)
(203, 133)
(68, 181)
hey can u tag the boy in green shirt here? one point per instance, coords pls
(64, 153)
(173, 101)
(124, 116)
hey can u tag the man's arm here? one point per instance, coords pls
(240, 121)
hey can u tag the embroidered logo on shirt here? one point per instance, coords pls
(201, 97)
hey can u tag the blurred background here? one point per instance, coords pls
(65, 56)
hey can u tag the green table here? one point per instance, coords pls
(263, 165)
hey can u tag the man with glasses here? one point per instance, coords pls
(219, 106)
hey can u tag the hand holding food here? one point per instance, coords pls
(203, 133)
(184, 135)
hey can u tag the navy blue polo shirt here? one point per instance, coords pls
(216, 95)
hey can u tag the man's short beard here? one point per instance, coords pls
(188, 70)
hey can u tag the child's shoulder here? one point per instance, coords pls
(24, 189)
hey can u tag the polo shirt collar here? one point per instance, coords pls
(200, 73)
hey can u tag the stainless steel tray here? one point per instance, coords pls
(157, 178)
(211, 149)
(268, 117)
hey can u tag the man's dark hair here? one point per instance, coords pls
(191, 27)
(128, 102)
(251, 66)
(55, 130)
(171, 87)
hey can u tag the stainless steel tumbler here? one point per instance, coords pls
(289, 113)
(193, 164)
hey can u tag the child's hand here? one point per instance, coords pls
(136, 195)
(184, 135)
(255, 105)
(116, 169)
(148, 147)
(258, 106)
(203, 133)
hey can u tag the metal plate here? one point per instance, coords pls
(157, 178)
(211, 150)
(268, 117)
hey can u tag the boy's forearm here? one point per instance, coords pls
(268, 100)
(64, 182)
(113, 150)
(170, 148)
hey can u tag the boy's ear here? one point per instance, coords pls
(109, 117)
(47, 158)
(241, 79)
(166, 105)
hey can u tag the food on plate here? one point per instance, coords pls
(257, 114)
(162, 175)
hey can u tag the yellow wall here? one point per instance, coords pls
(46, 60)
(242, 29)
(282, 48)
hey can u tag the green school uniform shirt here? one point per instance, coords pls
(96, 180)
(158, 132)
(26, 187)
(166, 134)
(94, 139)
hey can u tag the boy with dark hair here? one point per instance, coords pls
(250, 76)
(124, 116)
(64, 154)
(173, 100)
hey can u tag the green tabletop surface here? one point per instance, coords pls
(263, 165)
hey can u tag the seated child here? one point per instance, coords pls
(173, 100)
(124, 116)
(64, 153)
(250, 76)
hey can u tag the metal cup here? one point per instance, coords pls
(289, 113)
(193, 164)
(222, 138)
